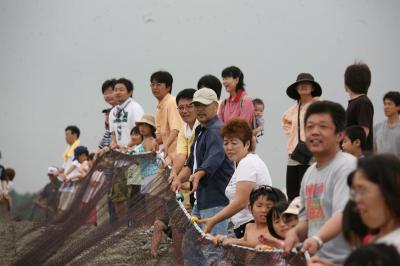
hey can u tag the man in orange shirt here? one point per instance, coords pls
(168, 120)
(168, 125)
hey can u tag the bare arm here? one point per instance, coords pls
(113, 143)
(302, 230)
(286, 123)
(4, 186)
(172, 136)
(181, 178)
(39, 201)
(195, 179)
(76, 177)
(70, 169)
(236, 241)
(328, 231)
(241, 241)
(295, 235)
(178, 163)
(331, 228)
(238, 203)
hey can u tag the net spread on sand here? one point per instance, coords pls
(54, 246)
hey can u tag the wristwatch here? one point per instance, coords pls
(319, 241)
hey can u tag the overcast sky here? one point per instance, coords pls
(54, 56)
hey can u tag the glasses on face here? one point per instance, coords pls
(185, 106)
(153, 85)
(358, 193)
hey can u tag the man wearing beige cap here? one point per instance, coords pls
(210, 171)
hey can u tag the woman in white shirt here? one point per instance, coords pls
(375, 188)
(251, 172)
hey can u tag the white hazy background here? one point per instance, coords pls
(54, 56)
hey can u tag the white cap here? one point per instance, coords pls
(51, 170)
(294, 207)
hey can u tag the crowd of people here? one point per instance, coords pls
(342, 179)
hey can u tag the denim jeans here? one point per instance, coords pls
(196, 253)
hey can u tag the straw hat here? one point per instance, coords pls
(147, 119)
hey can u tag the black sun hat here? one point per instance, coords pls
(304, 77)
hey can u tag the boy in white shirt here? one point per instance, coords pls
(122, 117)
(78, 170)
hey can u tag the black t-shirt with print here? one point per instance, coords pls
(360, 111)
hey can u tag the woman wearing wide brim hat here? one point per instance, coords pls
(147, 119)
(305, 90)
(148, 167)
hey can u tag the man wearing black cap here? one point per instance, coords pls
(305, 91)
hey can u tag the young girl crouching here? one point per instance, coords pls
(260, 202)
(280, 219)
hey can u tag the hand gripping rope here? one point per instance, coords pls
(194, 220)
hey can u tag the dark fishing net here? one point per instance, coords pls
(68, 239)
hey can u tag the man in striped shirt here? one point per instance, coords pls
(106, 140)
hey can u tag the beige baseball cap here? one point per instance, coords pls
(205, 96)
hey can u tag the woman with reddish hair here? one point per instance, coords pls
(251, 172)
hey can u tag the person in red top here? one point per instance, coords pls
(238, 104)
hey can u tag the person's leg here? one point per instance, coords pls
(292, 188)
(179, 224)
(160, 225)
(211, 253)
(158, 228)
(177, 236)
(111, 210)
(134, 197)
(121, 210)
